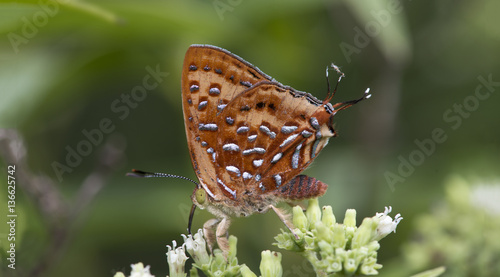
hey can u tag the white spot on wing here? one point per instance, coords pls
(221, 107)
(257, 150)
(288, 129)
(306, 134)
(252, 138)
(194, 88)
(261, 186)
(277, 179)
(233, 169)
(202, 105)
(267, 131)
(214, 91)
(288, 140)
(276, 158)
(258, 163)
(315, 123)
(247, 175)
(231, 147)
(208, 127)
(232, 192)
(295, 157)
(242, 129)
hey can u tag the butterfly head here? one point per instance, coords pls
(199, 197)
(202, 199)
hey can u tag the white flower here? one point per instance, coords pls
(197, 248)
(386, 224)
(176, 259)
(138, 270)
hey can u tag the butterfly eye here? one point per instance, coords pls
(201, 196)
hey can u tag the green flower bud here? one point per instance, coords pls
(246, 272)
(194, 272)
(339, 237)
(325, 248)
(369, 266)
(270, 265)
(232, 247)
(219, 263)
(335, 264)
(364, 233)
(350, 218)
(328, 218)
(351, 262)
(350, 224)
(373, 247)
(313, 212)
(310, 242)
(323, 232)
(299, 218)
(285, 241)
(341, 253)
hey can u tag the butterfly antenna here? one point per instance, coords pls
(344, 105)
(341, 75)
(143, 174)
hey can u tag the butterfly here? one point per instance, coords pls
(249, 138)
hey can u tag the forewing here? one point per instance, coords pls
(211, 78)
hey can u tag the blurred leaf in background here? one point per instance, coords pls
(73, 97)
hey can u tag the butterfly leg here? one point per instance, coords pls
(221, 234)
(285, 219)
(208, 232)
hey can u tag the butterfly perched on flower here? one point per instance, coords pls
(249, 138)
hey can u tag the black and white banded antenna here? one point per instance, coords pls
(143, 174)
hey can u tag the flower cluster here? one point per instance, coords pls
(461, 233)
(334, 248)
(217, 264)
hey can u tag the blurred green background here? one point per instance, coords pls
(68, 66)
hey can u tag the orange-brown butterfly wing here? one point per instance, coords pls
(211, 78)
(268, 139)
